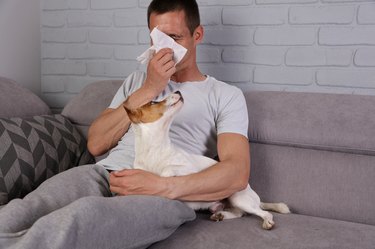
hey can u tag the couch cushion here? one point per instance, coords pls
(34, 149)
(291, 232)
(335, 122)
(17, 101)
(90, 102)
(320, 183)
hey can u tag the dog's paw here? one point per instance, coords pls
(268, 224)
(217, 217)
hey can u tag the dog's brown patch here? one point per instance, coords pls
(147, 113)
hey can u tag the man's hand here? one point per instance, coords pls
(137, 182)
(160, 69)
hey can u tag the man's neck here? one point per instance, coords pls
(188, 74)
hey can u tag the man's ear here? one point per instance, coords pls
(198, 34)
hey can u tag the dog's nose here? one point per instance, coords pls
(179, 93)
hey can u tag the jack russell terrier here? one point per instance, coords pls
(154, 152)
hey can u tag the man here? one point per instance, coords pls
(226, 177)
(71, 208)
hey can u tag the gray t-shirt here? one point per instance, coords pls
(211, 107)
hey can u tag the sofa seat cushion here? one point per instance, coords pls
(291, 231)
(34, 149)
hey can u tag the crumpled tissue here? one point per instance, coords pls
(161, 40)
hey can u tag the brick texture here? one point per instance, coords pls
(282, 45)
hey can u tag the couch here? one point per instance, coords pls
(314, 151)
(34, 143)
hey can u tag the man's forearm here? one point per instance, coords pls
(107, 130)
(112, 124)
(219, 181)
(140, 97)
(215, 183)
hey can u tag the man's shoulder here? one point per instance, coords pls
(222, 87)
(133, 81)
(136, 77)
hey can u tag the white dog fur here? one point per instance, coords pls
(154, 152)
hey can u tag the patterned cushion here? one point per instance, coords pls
(34, 149)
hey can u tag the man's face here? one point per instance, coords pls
(174, 25)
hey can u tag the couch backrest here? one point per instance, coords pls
(314, 151)
(17, 101)
(85, 107)
(90, 102)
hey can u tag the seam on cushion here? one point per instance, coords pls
(345, 149)
(13, 235)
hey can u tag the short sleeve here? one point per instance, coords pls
(232, 114)
(130, 85)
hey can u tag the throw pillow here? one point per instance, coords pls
(34, 149)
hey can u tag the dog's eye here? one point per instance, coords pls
(153, 102)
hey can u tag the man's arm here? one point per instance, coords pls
(219, 181)
(111, 125)
(105, 132)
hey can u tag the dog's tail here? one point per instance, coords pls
(276, 207)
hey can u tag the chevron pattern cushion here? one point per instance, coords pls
(34, 149)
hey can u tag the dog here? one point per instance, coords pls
(154, 152)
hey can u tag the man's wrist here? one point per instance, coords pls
(170, 187)
(126, 105)
(139, 98)
(151, 88)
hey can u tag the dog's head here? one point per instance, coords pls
(154, 111)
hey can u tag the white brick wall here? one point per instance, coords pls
(282, 45)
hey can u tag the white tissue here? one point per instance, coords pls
(161, 40)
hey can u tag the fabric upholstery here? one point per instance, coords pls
(320, 183)
(17, 101)
(90, 102)
(334, 122)
(313, 151)
(34, 149)
(291, 232)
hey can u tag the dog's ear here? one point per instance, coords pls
(134, 115)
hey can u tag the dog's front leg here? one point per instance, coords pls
(168, 172)
(175, 170)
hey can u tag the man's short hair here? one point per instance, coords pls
(190, 7)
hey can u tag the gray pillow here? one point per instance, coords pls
(34, 149)
(18, 101)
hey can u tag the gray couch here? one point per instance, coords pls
(316, 152)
